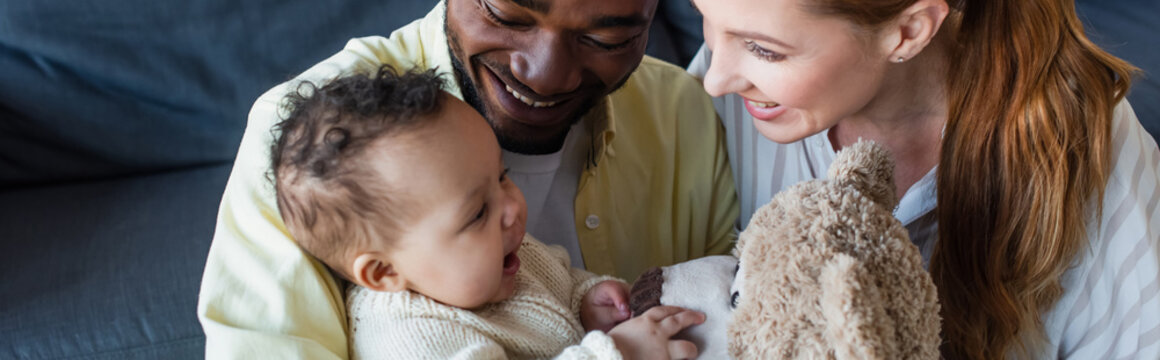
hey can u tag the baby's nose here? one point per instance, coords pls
(509, 218)
(511, 213)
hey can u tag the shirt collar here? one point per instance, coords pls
(436, 53)
(603, 130)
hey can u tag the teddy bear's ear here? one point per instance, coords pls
(857, 325)
(868, 167)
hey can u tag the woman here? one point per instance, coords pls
(1002, 114)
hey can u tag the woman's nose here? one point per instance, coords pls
(723, 77)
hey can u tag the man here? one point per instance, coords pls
(620, 157)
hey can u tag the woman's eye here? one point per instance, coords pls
(763, 53)
(493, 14)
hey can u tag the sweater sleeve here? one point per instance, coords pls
(596, 345)
(584, 281)
(427, 338)
(581, 282)
(567, 281)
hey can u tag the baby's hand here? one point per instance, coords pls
(648, 336)
(604, 306)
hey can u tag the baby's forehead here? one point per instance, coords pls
(420, 166)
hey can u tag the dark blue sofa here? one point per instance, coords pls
(119, 121)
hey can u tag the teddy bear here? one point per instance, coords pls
(822, 271)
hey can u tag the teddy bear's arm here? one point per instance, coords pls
(646, 291)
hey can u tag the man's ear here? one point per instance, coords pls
(914, 29)
(374, 271)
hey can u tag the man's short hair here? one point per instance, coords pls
(330, 198)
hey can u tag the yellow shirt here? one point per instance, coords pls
(657, 191)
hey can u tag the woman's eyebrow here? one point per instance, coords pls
(758, 36)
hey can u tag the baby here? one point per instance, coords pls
(399, 188)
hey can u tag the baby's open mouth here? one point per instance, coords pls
(511, 263)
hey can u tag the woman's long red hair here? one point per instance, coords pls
(1025, 157)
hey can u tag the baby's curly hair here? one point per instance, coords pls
(328, 195)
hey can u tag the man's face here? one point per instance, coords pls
(534, 67)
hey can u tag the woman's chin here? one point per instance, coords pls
(779, 132)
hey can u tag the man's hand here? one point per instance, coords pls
(604, 306)
(648, 336)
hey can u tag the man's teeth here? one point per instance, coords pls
(763, 105)
(527, 100)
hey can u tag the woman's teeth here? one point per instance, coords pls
(527, 100)
(763, 105)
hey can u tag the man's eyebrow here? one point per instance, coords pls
(758, 36)
(619, 21)
(539, 6)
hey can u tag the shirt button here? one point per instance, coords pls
(592, 222)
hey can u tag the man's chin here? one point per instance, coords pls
(531, 143)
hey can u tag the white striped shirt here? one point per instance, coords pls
(1110, 308)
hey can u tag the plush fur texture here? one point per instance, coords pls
(826, 271)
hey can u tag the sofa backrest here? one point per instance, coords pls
(97, 89)
(1130, 29)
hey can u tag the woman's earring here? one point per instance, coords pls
(899, 59)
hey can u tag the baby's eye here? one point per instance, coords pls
(481, 214)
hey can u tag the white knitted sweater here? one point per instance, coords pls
(541, 320)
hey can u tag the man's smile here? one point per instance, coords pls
(528, 100)
(524, 105)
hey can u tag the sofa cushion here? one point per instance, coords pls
(108, 269)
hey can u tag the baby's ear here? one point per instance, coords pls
(373, 271)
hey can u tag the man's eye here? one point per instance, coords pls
(503, 176)
(733, 300)
(612, 46)
(763, 53)
(493, 14)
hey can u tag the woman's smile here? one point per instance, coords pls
(764, 110)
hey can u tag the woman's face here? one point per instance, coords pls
(800, 73)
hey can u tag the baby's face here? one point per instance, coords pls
(465, 218)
